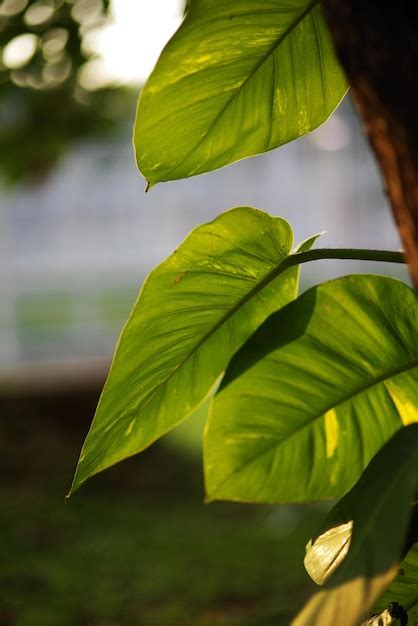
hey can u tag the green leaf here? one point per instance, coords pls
(312, 396)
(326, 553)
(193, 312)
(404, 589)
(237, 79)
(379, 508)
(328, 550)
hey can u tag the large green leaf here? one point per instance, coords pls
(379, 508)
(193, 312)
(237, 79)
(313, 395)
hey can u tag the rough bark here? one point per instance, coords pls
(377, 45)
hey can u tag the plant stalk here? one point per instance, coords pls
(356, 254)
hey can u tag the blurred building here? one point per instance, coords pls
(75, 249)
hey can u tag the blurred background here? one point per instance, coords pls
(77, 237)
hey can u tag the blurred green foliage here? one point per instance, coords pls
(128, 550)
(45, 105)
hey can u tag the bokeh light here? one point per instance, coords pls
(20, 50)
(130, 43)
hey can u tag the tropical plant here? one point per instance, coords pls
(310, 397)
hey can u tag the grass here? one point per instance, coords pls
(137, 546)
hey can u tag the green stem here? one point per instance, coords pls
(387, 256)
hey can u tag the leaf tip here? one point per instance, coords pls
(208, 497)
(76, 484)
(148, 186)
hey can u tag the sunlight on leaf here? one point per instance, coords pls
(237, 79)
(305, 404)
(193, 312)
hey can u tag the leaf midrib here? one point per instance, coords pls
(268, 278)
(277, 444)
(260, 62)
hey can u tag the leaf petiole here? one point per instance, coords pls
(355, 254)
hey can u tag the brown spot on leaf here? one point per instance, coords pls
(179, 278)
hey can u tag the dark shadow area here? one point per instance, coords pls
(292, 323)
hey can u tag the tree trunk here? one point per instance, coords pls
(376, 42)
